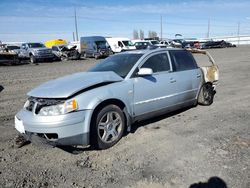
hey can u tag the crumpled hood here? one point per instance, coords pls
(69, 85)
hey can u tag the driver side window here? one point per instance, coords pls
(158, 63)
(120, 44)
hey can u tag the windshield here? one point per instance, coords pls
(36, 45)
(141, 43)
(154, 42)
(121, 64)
(127, 43)
(101, 44)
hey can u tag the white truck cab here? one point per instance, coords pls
(120, 44)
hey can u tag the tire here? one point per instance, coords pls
(85, 55)
(206, 95)
(108, 127)
(96, 56)
(77, 55)
(33, 59)
(63, 58)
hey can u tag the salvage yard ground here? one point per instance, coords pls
(172, 151)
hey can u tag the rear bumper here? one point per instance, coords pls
(68, 129)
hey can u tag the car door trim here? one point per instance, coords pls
(164, 97)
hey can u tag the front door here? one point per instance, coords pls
(157, 91)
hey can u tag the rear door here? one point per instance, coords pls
(188, 73)
(155, 92)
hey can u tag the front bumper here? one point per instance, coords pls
(68, 129)
(44, 56)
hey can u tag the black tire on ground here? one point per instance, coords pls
(85, 55)
(107, 128)
(77, 55)
(63, 58)
(33, 59)
(206, 95)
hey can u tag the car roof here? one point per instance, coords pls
(147, 51)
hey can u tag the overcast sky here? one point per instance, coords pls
(40, 20)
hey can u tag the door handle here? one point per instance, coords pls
(198, 75)
(172, 80)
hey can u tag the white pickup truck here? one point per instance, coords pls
(35, 52)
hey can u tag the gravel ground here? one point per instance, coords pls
(192, 148)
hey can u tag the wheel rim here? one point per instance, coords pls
(110, 127)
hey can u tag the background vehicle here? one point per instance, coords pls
(141, 44)
(94, 46)
(167, 43)
(157, 43)
(120, 44)
(35, 52)
(64, 52)
(13, 48)
(217, 44)
(8, 56)
(97, 106)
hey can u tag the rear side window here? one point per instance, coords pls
(182, 60)
(157, 63)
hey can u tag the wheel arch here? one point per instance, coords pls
(116, 102)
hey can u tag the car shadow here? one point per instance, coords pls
(213, 182)
(78, 149)
(75, 150)
(155, 119)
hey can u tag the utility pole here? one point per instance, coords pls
(238, 33)
(208, 29)
(161, 27)
(76, 26)
(73, 36)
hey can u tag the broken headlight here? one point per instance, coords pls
(59, 109)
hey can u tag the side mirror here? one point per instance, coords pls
(145, 72)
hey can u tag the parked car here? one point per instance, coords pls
(217, 44)
(13, 48)
(157, 43)
(178, 43)
(120, 44)
(7, 56)
(97, 106)
(35, 52)
(64, 52)
(94, 46)
(167, 43)
(141, 44)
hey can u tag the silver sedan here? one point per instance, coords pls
(96, 107)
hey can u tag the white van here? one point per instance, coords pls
(120, 44)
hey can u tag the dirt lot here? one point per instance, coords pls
(176, 150)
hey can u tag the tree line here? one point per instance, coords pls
(140, 34)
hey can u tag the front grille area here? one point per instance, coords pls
(36, 104)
